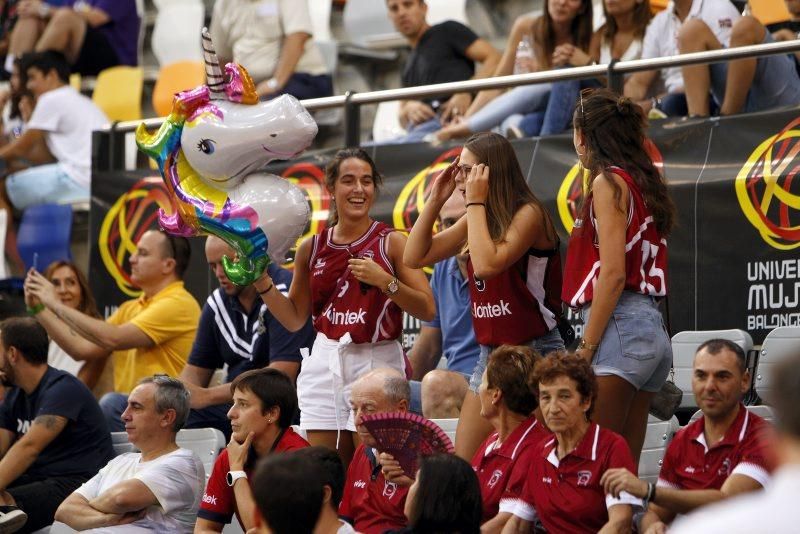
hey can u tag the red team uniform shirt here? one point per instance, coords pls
(219, 503)
(645, 252)
(360, 309)
(502, 470)
(369, 502)
(519, 304)
(690, 464)
(566, 495)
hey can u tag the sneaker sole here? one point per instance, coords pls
(13, 521)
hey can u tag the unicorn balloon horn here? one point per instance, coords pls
(214, 78)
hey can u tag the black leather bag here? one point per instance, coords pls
(667, 400)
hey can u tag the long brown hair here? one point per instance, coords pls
(641, 18)
(508, 190)
(87, 304)
(544, 34)
(332, 174)
(613, 128)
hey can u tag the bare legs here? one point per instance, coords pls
(472, 429)
(64, 32)
(619, 407)
(443, 394)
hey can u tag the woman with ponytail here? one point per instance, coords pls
(616, 267)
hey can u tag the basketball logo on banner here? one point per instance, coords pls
(411, 199)
(768, 191)
(133, 213)
(311, 180)
(568, 198)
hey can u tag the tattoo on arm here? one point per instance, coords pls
(50, 422)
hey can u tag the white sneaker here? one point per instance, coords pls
(11, 519)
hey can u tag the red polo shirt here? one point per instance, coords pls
(219, 502)
(690, 464)
(566, 494)
(369, 502)
(502, 469)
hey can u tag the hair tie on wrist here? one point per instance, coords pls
(476, 204)
(266, 290)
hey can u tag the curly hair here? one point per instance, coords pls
(562, 363)
(509, 369)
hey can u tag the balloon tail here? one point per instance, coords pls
(245, 271)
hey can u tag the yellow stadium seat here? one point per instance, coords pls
(75, 81)
(118, 92)
(174, 78)
(658, 5)
(769, 11)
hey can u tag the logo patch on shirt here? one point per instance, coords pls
(210, 499)
(359, 484)
(584, 477)
(725, 469)
(495, 478)
(480, 285)
(689, 469)
(725, 23)
(320, 263)
(389, 489)
(547, 480)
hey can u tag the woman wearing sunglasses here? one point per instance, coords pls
(514, 265)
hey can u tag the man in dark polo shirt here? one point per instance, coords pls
(53, 436)
(236, 329)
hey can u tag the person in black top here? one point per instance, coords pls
(236, 329)
(446, 52)
(53, 436)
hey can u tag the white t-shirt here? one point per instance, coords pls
(58, 358)
(176, 479)
(661, 37)
(68, 118)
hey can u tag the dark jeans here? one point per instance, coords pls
(40, 497)
(303, 86)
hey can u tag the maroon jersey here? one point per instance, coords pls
(519, 304)
(645, 252)
(340, 303)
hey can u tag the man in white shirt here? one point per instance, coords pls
(61, 125)
(156, 490)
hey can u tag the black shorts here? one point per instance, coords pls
(40, 498)
(96, 54)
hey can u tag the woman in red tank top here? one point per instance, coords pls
(616, 265)
(514, 265)
(352, 280)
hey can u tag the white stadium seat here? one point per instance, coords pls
(780, 343)
(657, 438)
(449, 427)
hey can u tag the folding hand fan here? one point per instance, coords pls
(407, 436)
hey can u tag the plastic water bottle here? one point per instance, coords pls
(524, 56)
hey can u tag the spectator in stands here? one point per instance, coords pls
(264, 404)
(93, 34)
(661, 39)
(788, 30)
(720, 455)
(149, 335)
(560, 36)
(330, 467)
(438, 393)
(352, 280)
(774, 509)
(616, 267)
(371, 503)
(431, 506)
(289, 491)
(563, 487)
(60, 130)
(72, 289)
(744, 85)
(236, 329)
(157, 489)
(514, 265)
(446, 52)
(17, 104)
(53, 436)
(273, 41)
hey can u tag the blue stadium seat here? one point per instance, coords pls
(44, 235)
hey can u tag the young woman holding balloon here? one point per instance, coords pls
(352, 280)
(514, 264)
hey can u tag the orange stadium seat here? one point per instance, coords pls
(174, 78)
(769, 11)
(658, 5)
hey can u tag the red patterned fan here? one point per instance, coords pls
(407, 436)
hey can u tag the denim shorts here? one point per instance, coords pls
(547, 343)
(44, 184)
(635, 345)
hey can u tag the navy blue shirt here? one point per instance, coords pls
(246, 340)
(83, 447)
(451, 294)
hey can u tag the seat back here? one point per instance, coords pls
(176, 33)
(174, 78)
(449, 427)
(120, 443)
(684, 346)
(366, 23)
(657, 437)
(386, 125)
(205, 442)
(442, 10)
(769, 11)
(44, 235)
(118, 92)
(780, 343)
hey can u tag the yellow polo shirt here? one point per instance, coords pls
(170, 319)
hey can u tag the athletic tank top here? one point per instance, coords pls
(645, 252)
(339, 307)
(519, 304)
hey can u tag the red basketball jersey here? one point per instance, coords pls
(340, 303)
(519, 304)
(645, 252)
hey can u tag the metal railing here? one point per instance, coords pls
(614, 72)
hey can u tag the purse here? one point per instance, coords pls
(667, 400)
(566, 331)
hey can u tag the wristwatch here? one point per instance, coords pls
(233, 476)
(393, 287)
(588, 346)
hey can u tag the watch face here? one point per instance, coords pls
(393, 287)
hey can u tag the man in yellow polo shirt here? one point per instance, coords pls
(149, 335)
